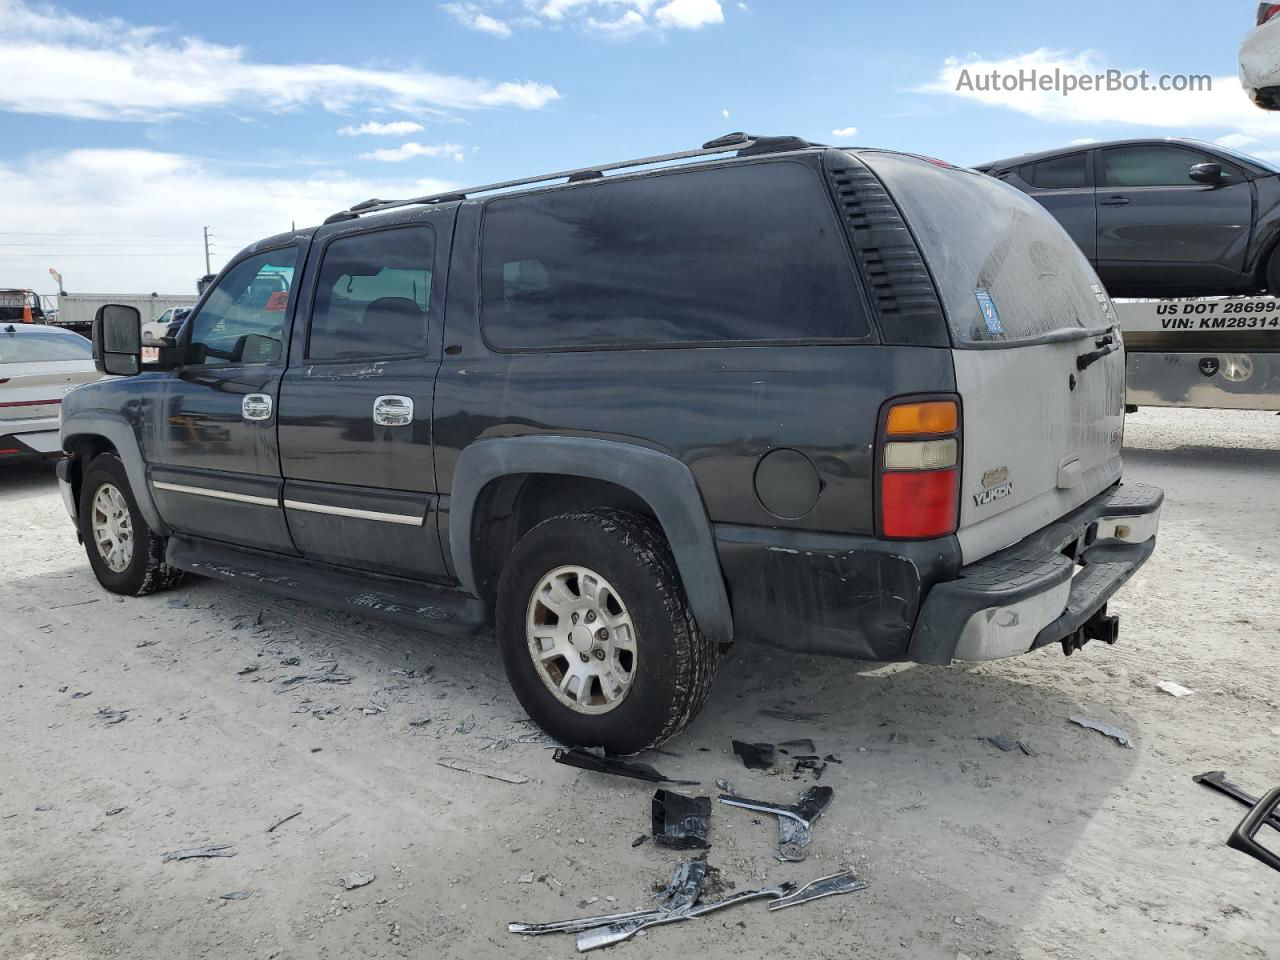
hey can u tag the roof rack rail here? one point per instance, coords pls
(743, 144)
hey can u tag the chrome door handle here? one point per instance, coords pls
(1114, 201)
(392, 411)
(256, 406)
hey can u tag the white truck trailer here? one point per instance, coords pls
(76, 310)
(1214, 352)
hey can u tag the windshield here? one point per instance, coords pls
(1264, 164)
(43, 348)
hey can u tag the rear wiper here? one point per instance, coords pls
(1106, 344)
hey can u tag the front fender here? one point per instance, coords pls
(663, 482)
(117, 431)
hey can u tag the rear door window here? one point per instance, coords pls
(1155, 165)
(372, 295)
(745, 253)
(1059, 172)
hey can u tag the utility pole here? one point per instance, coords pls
(207, 271)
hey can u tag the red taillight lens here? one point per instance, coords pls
(918, 457)
(1267, 11)
(917, 506)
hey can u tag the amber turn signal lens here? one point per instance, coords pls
(916, 419)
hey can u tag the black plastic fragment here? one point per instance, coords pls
(1026, 748)
(1004, 743)
(586, 759)
(680, 822)
(639, 840)
(755, 756)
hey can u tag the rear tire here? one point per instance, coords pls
(126, 556)
(1271, 275)
(610, 568)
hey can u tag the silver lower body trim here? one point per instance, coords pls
(215, 494)
(353, 512)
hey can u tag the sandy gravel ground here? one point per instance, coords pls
(1087, 850)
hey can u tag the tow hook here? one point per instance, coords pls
(1098, 627)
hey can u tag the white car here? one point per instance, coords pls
(154, 332)
(1260, 59)
(39, 365)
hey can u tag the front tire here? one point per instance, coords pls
(596, 634)
(126, 556)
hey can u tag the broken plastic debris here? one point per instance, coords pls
(1115, 733)
(639, 840)
(302, 679)
(283, 820)
(110, 715)
(1004, 743)
(193, 853)
(755, 756)
(795, 822)
(598, 762)
(796, 716)
(680, 822)
(353, 881)
(237, 895)
(470, 766)
(837, 883)
(804, 743)
(1174, 689)
(1027, 749)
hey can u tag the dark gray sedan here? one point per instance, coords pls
(1161, 218)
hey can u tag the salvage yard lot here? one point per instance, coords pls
(1086, 850)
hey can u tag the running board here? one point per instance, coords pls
(408, 603)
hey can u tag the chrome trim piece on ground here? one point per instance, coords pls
(215, 494)
(352, 512)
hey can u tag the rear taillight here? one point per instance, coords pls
(1267, 11)
(918, 461)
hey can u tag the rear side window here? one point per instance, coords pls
(738, 254)
(1005, 270)
(40, 348)
(372, 295)
(1058, 173)
(1154, 165)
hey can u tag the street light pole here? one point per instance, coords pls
(207, 271)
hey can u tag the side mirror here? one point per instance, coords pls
(1206, 173)
(117, 340)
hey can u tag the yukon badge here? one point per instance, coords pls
(996, 485)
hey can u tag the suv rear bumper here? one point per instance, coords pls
(869, 599)
(1031, 594)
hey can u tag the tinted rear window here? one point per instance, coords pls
(43, 348)
(1058, 173)
(984, 239)
(752, 252)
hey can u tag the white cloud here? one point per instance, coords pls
(608, 18)
(119, 221)
(396, 128)
(1223, 106)
(845, 132)
(624, 26)
(689, 14)
(1235, 141)
(471, 15)
(59, 64)
(1082, 141)
(725, 114)
(407, 151)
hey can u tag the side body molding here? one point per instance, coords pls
(663, 482)
(121, 435)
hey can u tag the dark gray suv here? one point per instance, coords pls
(849, 401)
(1161, 218)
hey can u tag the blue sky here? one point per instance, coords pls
(127, 126)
